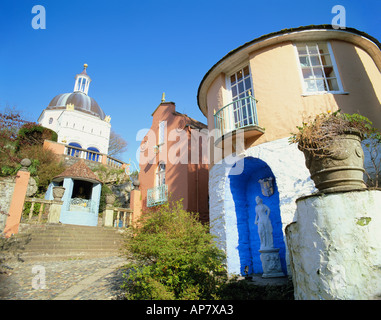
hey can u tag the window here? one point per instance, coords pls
(240, 84)
(91, 155)
(160, 174)
(74, 152)
(241, 109)
(161, 132)
(318, 68)
(50, 120)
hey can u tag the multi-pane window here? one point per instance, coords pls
(160, 174)
(82, 84)
(161, 132)
(318, 68)
(240, 84)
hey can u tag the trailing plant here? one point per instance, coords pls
(176, 257)
(317, 135)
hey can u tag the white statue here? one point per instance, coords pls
(265, 229)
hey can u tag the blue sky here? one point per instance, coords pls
(138, 49)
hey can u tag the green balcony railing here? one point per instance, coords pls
(157, 195)
(239, 114)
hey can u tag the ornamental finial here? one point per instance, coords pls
(163, 97)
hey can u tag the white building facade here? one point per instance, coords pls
(77, 118)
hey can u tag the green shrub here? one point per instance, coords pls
(31, 134)
(176, 257)
(102, 201)
(44, 165)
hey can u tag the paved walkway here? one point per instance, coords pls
(76, 279)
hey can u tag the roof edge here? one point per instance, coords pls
(278, 33)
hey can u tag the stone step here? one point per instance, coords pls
(67, 255)
(64, 236)
(66, 228)
(50, 241)
(61, 240)
(102, 245)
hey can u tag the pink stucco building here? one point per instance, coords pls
(173, 162)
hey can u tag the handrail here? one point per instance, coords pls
(125, 222)
(236, 115)
(157, 195)
(43, 202)
(92, 156)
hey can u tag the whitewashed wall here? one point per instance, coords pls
(336, 246)
(76, 126)
(293, 181)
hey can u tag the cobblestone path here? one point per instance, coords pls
(76, 279)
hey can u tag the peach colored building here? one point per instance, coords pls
(172, 162)
(253, 98)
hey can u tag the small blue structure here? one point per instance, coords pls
(81, 197)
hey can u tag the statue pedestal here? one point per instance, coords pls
(271, 263)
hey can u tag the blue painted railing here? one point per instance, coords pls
(238, 114)
(157, 195)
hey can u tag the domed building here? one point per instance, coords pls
(78, 119)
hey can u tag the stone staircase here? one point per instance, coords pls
(63, 241)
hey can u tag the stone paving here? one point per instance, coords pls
(70, 279)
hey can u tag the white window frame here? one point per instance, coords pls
(334, 65)
(82, 84)
(229, 95)
(160, 174)
(161, 133)
(229, 116)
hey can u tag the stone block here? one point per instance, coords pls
(335, 246)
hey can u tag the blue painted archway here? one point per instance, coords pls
(244, 188)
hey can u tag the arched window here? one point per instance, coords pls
(74, 152)
(91, 155)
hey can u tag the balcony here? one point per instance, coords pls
(157, 195)
(86, 154)
(240, 114)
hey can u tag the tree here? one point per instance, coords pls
(117, 145)
(24, 139)
(10, 124)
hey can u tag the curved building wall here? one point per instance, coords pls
(277, 84)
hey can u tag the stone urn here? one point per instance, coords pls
(58, 193)
(136, 184)
(342, 169)
(110, 198)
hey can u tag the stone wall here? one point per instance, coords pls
(7, 185)
(335, 246)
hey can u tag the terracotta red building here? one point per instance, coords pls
(173, 162)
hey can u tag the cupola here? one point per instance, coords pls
(82, 81)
